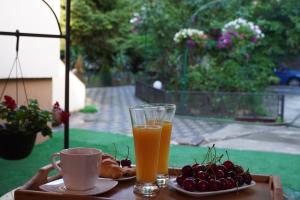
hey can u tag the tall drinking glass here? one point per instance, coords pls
(146, 128)
(163, 161)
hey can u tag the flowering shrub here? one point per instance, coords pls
(239, 32)
(242, 25)
(191, 36)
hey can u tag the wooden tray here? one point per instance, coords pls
(266, 188)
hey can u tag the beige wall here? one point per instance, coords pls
(40, 89)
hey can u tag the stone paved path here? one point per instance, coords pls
(113, 116)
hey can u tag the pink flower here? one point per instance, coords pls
(59, 115)
(10, 102)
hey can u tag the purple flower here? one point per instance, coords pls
(220, 45)
(190, 43)
(225, 41)
(235, 34)
(254, 39)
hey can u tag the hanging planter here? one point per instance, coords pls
(19, 124)
(19, 127)
(16, 145)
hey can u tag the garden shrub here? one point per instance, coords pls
(143, 32)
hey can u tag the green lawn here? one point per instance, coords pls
(15, 173)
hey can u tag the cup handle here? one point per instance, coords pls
(53, 162)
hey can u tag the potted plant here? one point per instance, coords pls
(19, 126)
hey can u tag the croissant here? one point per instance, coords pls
(128, 171)
(109, 161)
(110, 171)
(106, 155)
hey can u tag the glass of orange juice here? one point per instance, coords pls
(163, 161)
(146, 127)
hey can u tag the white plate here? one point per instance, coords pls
(173, 184)
(124, 178)
(102, 185)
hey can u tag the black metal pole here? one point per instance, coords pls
(67, 78)
(282, 107)
(31, 34)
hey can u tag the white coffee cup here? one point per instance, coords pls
(79, 167)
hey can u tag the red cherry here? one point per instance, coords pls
(238, 169)
(187, 171)
(228, 164)
(247, 177)
(214, 185)
(189, 184)
(198, 167)
(223, 183)
(126, 163)
(202, 186)
(180, 180)
(231, 174)
(223, 168)
(220, 174)
(202, 175)
(239, 180)
(195, 165)
(230, 183)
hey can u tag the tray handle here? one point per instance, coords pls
(40, 178)
(276, 188)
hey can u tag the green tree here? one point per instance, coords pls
(98, 28)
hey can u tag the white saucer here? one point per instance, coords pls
(102, 185)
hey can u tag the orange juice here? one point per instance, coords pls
(163, 161)
(146, 144)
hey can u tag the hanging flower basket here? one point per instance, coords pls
(16, 145)
(19, 126)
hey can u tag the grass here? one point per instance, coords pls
(89, 109)
(16, 173)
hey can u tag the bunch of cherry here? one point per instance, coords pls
(126, 162)
(213, 175)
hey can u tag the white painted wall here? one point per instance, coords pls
(77, 89)
(39, 56)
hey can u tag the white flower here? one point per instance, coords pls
(239, 23)
(134, 20)
(187, 33)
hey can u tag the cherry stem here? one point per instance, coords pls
(127, 152)
(206, 156)
(115, 150)
(195, 161)
(215, 155)
(210, 167)
(227, 155)
(219, 159)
